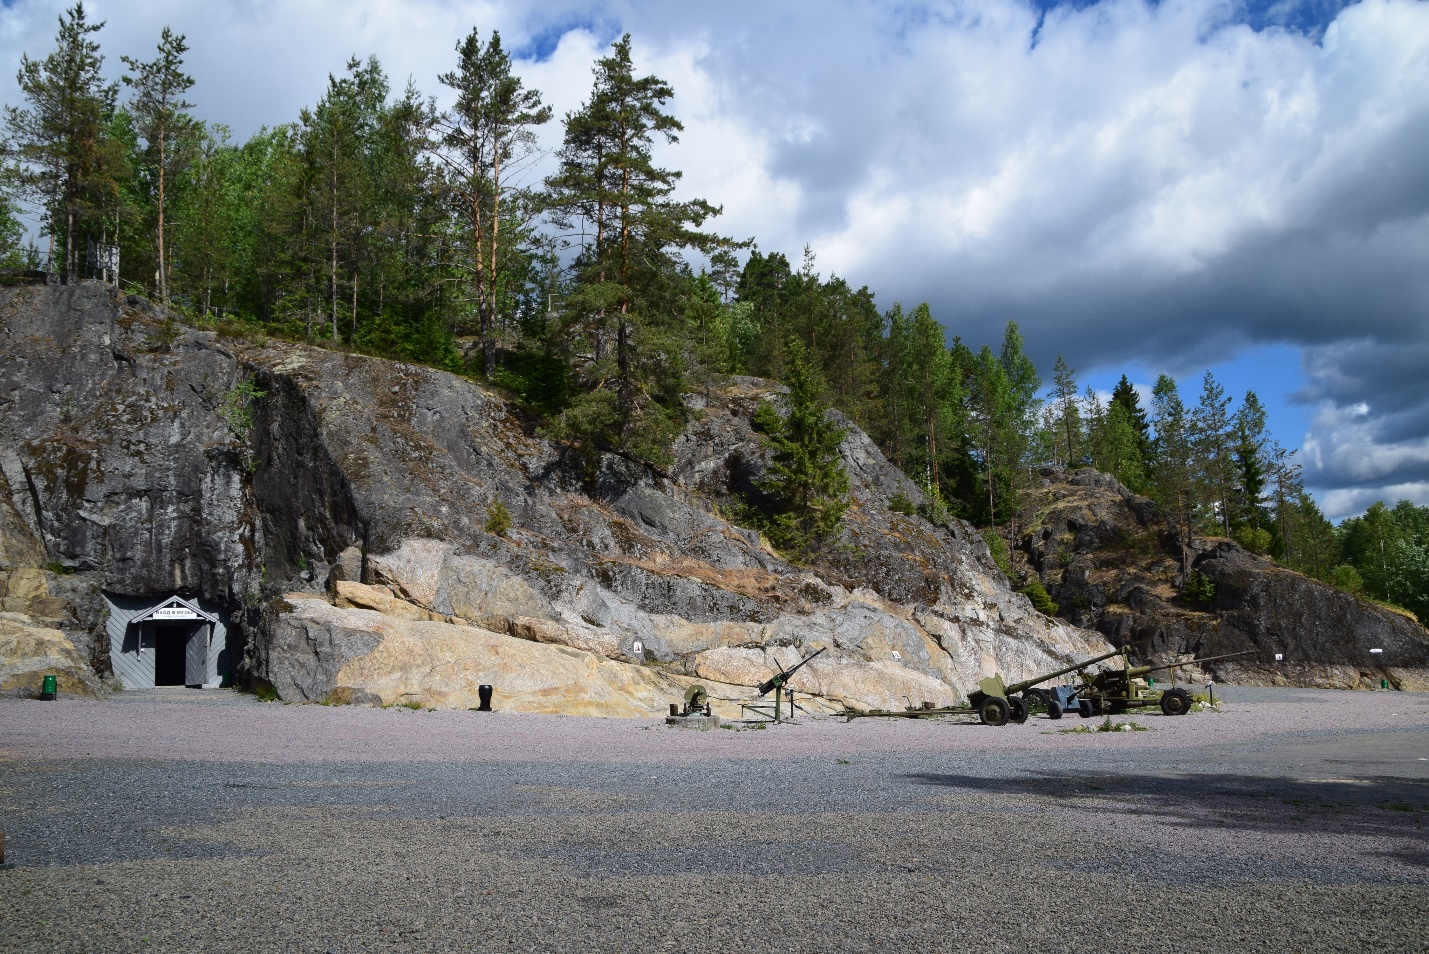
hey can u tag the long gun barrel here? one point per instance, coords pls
(1017, 687)
(1145, 670)
(785, 674)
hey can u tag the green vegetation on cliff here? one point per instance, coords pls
(374, 222)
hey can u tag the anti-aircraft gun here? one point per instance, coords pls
(997, 703)
(1114, 691)
(779, 680)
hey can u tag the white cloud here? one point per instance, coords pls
(1129, 181)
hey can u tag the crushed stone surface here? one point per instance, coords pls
(1293, 820)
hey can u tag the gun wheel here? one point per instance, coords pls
(1084, 709)
(1175, 702)
(1016, 710)
(1054, 709)
(993, 711)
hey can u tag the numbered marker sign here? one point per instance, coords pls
(637, 647)
(1279, 657)
(1376, 651)
(897, 654)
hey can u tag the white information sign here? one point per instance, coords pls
(1279, 657)
(897, 654)
(175, 612)
(1376, 650)
(637, 647)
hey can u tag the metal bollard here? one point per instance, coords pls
(49, 689)
(484, 692)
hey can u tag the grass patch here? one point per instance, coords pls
(1106, 725)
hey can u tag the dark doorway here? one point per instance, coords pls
(170, 654)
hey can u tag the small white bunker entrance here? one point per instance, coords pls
(171, 642)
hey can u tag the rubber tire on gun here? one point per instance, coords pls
(1054, 709)
(993, 711)
(1016, 710)
(1175, 702)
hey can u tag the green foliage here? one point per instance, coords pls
(766, 419)
(487, 139)
(1255, 539)
(236, 408)
(623, 309)
(170, 134)
(1347, 578)
(68, 164)
(1389, 549)
(1198, 589)
(264, 690)
(806, 477)
(902, 503)
(1041, 600)
(498, 518)
(997, 547)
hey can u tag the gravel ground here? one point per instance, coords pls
(1295, 820)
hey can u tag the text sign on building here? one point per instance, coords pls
(175, 612)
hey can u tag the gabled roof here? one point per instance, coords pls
(175, 602)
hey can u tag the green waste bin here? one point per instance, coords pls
(49, 689)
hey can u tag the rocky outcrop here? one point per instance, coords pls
(1112, 562)
(344, 531)
(32, 643)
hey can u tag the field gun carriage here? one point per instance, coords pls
(1110, 691)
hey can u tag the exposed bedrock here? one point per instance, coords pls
(1111, 561)
(342, 529)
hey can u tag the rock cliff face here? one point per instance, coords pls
(344, 534)
(1111, 562)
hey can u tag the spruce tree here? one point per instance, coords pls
(1248, 455)
(1125, 395)
(1211, 436)
(806, 475)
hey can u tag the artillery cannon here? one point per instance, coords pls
(997, 703)
(993, 701)
(1114, 691)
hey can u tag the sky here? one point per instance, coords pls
(1175, 187)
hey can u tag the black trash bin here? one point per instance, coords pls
(485, 693)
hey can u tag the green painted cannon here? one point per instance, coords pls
(1114, 691)
(997, 703)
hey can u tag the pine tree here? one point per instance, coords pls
(161, 118)
(487, 140)
(1064, 389)
(806, 475)
(1174, 480)
(335, 137)
(1022, 412)
(69, 166)
(991, 420)
(628, 272)
(11, 229)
